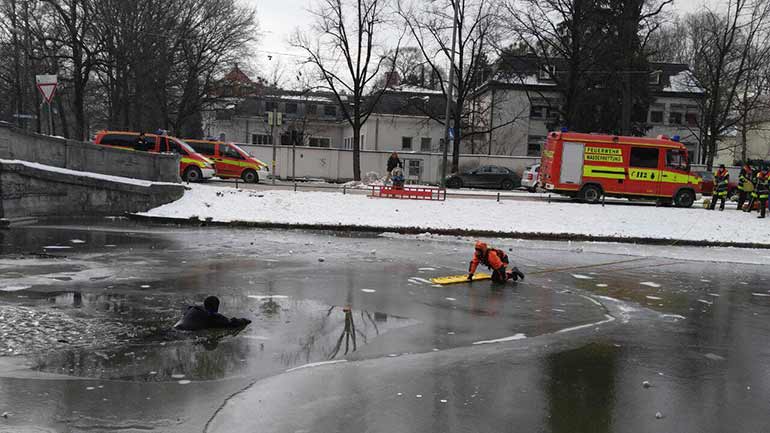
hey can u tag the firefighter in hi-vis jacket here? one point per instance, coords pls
(721, 182)
(745, 186)
(496, 260)
(762, 190)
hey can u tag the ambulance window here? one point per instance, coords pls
(203, 148)
(175, 147)
(676, 159)
(229, 152)
(644, 157)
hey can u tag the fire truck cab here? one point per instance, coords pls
(588, 166)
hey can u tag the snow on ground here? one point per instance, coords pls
(333, 208)
(118, 179)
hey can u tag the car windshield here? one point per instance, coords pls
(186, 147)
(241, 151)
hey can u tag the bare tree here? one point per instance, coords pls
(724, 50)
(75, 21)
(343, 49)
(431, 27)
(599, 48)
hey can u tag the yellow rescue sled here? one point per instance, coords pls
(454, 279)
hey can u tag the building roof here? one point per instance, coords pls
(402, 101)
(526, 72)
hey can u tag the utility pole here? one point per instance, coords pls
(447, 135)
(274, 118)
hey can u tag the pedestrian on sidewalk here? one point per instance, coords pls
(496, 260)
(393, 162)
(721, 182)
(763, 190)
(745, 187)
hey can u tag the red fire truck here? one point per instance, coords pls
(587, 166)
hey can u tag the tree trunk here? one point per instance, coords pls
(356, 148)
(62, 118)
(744, 137)
(458, 138)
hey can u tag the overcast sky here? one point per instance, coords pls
(279, 18)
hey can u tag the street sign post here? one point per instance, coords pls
(47, 84)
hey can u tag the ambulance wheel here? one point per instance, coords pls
(684, 198)
(192, 174)
(591, 194)
(250, 176)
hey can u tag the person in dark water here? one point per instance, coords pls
(207, 317)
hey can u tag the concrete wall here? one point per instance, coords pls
(31, 192)
(74, 155)
(337, 164)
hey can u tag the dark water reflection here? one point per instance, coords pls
(581, 388)
(130, 337)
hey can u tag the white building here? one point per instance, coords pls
(525, 105)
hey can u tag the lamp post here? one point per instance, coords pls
(450, 91)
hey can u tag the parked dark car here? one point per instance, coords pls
(707, 187)
(487, 176)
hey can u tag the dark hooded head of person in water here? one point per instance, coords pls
(207, 317)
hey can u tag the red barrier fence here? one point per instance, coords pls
(409, 192)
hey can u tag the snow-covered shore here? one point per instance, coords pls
(222, 204)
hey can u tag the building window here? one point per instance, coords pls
(261, 139)
(270, 106)
(292, 137)
(361, 143)
(656, 116)
(537, 111)
(644, 157)
(311, 109)
(320, 142)
(414, 168)
(406, 143)
(655, 78)
(330, 110)
(547, 72)
(691, 119)
(347, 143)
(425, 144)
(534, 145)
(675, 118)
(441, 145)
(291, 108)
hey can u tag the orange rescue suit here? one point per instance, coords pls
(493, 258)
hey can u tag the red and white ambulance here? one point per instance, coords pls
(589, 166)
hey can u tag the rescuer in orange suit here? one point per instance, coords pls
(496, 260)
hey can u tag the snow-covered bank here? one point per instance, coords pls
(333, 208)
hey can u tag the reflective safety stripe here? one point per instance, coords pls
(672, 177)
(192, 161)
(238, 163)
(644, 174)
(639, 174)
(604, 172)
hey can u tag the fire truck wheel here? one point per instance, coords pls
(250, 176)
(684, 198)
(192, 174)
(591, 194)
